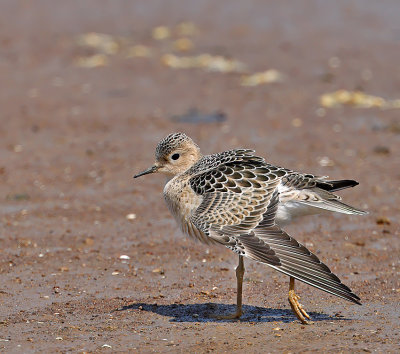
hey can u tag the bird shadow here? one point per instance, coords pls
(207, 312)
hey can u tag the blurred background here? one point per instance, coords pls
(88, 88)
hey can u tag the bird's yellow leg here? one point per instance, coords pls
(239, 278)
(297, 308)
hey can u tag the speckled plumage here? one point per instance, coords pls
(171, 142)
(236, 199)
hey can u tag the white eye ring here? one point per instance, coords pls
(175, 156)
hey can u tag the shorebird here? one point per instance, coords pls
(237, 199)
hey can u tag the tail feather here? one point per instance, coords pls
(322, 197)
(335, 205)
(332, 186)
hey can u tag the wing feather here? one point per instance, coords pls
(238, 210)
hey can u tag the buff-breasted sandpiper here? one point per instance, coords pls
(236, 199)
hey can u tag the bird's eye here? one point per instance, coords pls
(175, 156)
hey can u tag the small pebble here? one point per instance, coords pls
(383, 220)
(297, 122)
(334, 62)
(382, 150)
(326, 161)
(18, 148)
(158, 270)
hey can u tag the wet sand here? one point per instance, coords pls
(72, 136)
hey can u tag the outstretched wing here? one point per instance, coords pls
(236, 195)
(296, 260)
(241, 215)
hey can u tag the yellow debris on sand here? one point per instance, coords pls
(204, 61)
(92, 61)
(183, 44)
(265, 77)
(186, 29)
(139, 51)
(104, 43)
(356, 98)
(161, 32)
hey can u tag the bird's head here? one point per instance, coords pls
(175, 154)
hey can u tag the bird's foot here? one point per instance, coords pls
(298, 309)
(232, 316)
